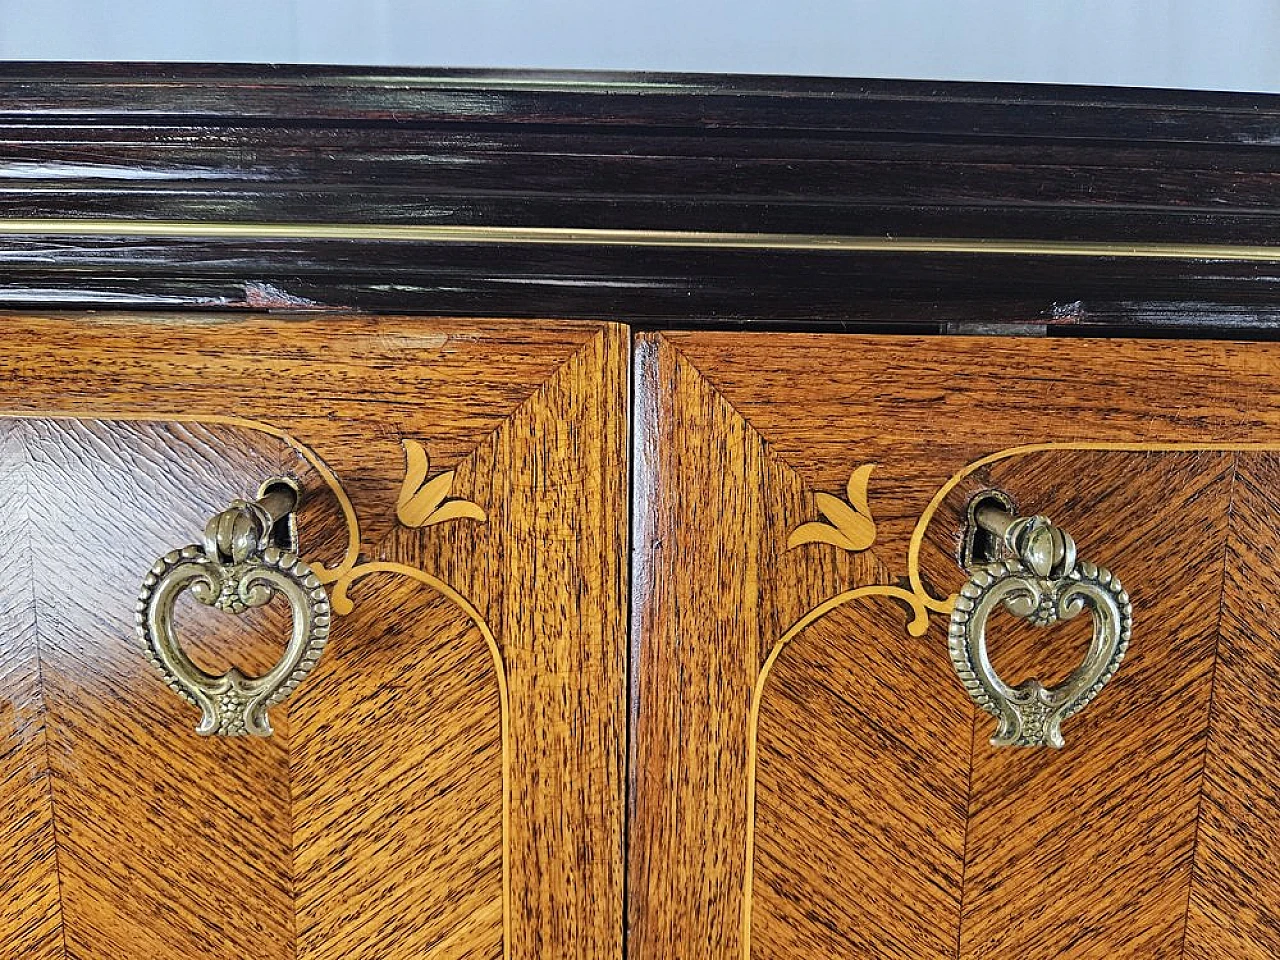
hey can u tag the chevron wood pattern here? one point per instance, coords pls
(404, 807)
(31, 909)
(1235, 880)
(1054, 836)
(818, 784)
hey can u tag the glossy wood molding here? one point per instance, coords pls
(426, 791)
(648, 197)
(847, 801)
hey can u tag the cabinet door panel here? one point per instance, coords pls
(448, 782)
(797, 545)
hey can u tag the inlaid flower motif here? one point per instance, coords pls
(850, 525)
(424, 502)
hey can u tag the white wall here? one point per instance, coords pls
(1207, 44)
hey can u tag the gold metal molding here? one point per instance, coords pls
(598, 237)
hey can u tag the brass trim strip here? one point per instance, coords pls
(680, 239)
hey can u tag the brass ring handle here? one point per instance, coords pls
(249, 554)
(1040, 580)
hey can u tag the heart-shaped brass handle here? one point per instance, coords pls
(1039, 580)
(249, 554)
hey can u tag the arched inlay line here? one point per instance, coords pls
(342, 604)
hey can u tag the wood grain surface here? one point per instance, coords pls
(1087, 852)
(450, 781)
(817, 157)
(1235, 882)
(811, 779)
(30, 908)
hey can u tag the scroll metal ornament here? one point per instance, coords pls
(248, 556)
(1043, 582)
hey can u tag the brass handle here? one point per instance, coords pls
(249, 554)
(1039, 579)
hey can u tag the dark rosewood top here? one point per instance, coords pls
(757, 175)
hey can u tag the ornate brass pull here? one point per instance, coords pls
(249, 554)
(1038, 579)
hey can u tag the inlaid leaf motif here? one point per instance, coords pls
(424, 502)
(458, 510)
(818, 533)
(856, 489)
(850, 525)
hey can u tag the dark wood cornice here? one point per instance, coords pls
(1066, 181)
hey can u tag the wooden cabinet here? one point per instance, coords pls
(637, 607)
(813, 779)
(448, 781)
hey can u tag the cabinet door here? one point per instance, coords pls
(812, 778)
(448, 781)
